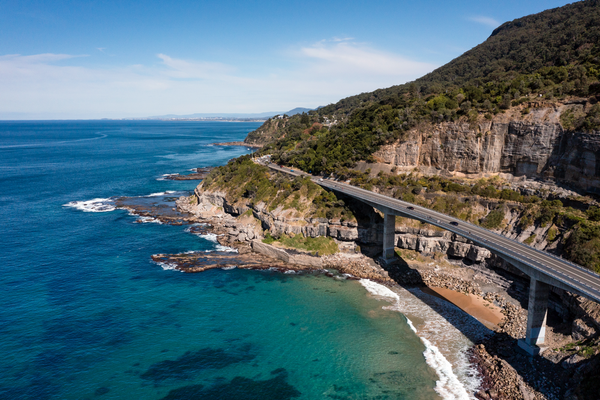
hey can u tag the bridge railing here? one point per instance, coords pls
(341, 185)
(454, 230)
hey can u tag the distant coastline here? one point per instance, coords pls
(217, 119)
(255, 146)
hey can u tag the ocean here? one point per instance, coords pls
(86, 314)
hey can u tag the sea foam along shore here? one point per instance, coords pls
(212, 237)
(93, 205)
(448, 385)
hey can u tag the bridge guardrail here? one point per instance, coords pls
(545, 253)
(385, 200)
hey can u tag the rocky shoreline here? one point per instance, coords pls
(196, 175)
(251, 145)
(506, 372)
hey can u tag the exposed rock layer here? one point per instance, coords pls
(535, 145)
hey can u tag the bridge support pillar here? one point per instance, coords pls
(536, 317)
(389, 236)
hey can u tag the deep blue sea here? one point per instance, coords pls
(86, 315)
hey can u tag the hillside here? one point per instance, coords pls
(506, 136)
(565, 37)
(523, 104)
(552, 56)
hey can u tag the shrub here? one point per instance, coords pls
(493, 219)
(552, 233)
(530, 239)
(268, 238)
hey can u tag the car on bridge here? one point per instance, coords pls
(454, 223)
(410, 207)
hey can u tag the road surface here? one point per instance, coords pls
(575, 277)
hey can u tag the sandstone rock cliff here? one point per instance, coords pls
(535, 145)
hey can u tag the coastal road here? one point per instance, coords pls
(557, 271)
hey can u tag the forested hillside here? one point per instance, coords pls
(523, 102)
(549, 57)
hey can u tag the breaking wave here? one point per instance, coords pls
(448, 386)
(167, 266)
(94, 205)
(160, 193)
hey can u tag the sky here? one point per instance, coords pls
(124, 59)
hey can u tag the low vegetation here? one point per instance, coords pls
(539, 60)
(243, 180)
(319, 246)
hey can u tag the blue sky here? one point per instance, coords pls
(119, 59)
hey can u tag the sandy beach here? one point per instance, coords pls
(480, 309)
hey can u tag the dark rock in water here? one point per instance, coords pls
(198, 174)
(186, 392)
(159, 208)
(200, 262)
(239, 388)
(190, 363)
(279, 371)
(101, 390)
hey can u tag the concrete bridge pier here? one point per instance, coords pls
(389, 236)
(537, 311)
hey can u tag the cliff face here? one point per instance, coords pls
(368, 230)
(535, 145)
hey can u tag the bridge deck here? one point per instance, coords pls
(553, 269)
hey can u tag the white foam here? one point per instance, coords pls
(211, 237)
(227, 249)
(146, 220)
(229, 268)
(378, 289)
(449, 385)
(165, 176)
(160, 193)
(167, 266)
(189, 228)
(94, 205)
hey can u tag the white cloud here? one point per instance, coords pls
(200, 70)
(43, 86)
(352, 59)
(491, 22)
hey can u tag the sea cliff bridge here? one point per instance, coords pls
(544, 269)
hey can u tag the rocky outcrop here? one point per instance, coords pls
(427, 241)
(285, 256)
(535, 145)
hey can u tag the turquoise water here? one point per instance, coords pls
(86, 314)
